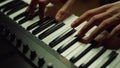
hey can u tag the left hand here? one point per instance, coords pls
(62, 13)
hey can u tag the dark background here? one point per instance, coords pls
(9, 58)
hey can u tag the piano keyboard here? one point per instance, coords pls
(51, 44)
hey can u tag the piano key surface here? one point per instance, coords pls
(100, 61)
(76, 48)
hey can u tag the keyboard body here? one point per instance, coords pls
(38, 53)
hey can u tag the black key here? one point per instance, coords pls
(67, 45)
(8, 4)
(20, 16)
(6, 33)
(51, 30)
(94, 43)
(28, 17)
(12, 6)
(112, 55)
(2, 1)
(44, 25)
(93, 59)
(78, 56)
(1, 28)
(37, 23)
(16, 9)
(63, 36)
(12, 37)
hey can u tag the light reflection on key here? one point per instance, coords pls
(100, 60)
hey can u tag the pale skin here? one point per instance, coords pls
(104, 17)
(61, 14)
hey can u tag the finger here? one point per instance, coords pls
(110, 13)
(32, 6)
(42, 9)
(115, 32)
(90, 14)
(103, 26)
(96, 20)
(113, 43)
(117, 18)
(64, 12)
(114, 36)
(103, 41)
(85, 29)
(61, 15)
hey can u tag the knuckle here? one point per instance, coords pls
(106, 23)
(89, 12)
(95, 17)
(107, 5)
(117, 30)
(63, 11)
(118, 17)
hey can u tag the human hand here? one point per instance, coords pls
(105, 17)
(61, 14)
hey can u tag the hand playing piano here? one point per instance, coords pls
(61, 14)
(105, 18)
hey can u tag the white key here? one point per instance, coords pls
(88, 56)
(101, 60)
(30, 22)
(85, 46)
(115, 61)
(55, 34)
(33, 29)
(70, 20)
(23, 17)
(118, 65)
(5, 2)
(106, 58)
(67, 40)
(17, 13)
(6, 12)
(91, 54)
(70, 49)
(27, 1)
(44, 30)
(62, 43)
(78, 49)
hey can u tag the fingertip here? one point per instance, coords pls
(58, 18)
(73, 25)
(80, 35)
(61, 16)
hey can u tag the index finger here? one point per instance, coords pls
(41, 10)
(32, 6)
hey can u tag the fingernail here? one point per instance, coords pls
(72, 25)
(58, 17)
(88, 39)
